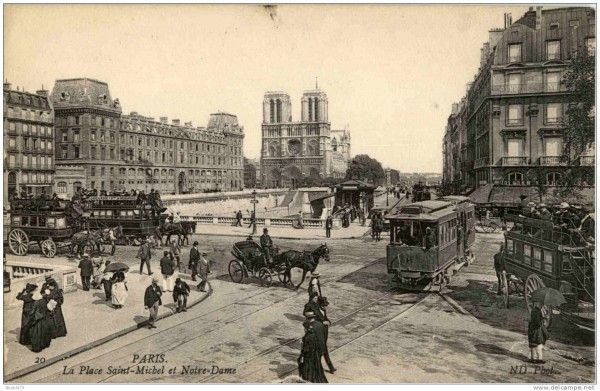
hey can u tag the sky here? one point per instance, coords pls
(391, 72)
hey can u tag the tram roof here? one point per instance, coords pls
(431, 210)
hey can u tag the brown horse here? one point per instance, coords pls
(305, 260)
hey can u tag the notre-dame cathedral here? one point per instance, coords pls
(307, 148)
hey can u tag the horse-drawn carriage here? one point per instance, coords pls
(290, 266)
(137, 220)
(49, 223)
(539, 253)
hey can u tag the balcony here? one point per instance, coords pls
(504, 89)
(514, 161)
(552, 161)
(481, 162)
(587, 160)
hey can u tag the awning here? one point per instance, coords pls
(511, 195)
(481, 195)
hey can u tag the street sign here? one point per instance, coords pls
(254, 201)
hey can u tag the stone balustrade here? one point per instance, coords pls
(264, 221)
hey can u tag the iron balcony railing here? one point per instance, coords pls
(552, 161)
(526, 88)
(514, 161)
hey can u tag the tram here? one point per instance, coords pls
(539, 253)
(419, 263)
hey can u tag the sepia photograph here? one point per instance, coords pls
(299, 193)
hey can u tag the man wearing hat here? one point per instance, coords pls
(203, 270)
(314, 285)
(87, 270)
(194, 259)
(430, 239)
(320, 323)
(145, 254)
(152, 301)
(266, 243)
(167, 268)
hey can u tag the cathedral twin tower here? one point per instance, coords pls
(291, 150)
(277, 107)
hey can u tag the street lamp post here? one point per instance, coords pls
(254, 201)
(387, 197)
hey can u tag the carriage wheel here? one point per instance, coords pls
(264, 276)
(48, 248)
(533, 283)
(18, 241)
(493, 226)
(296, 276)
(282, 274)
(236, 271)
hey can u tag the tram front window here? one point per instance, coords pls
(413, 233)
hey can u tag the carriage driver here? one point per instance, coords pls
(266, 243)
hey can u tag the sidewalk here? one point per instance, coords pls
(90, 320)
(354, 231)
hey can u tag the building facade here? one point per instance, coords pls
(508, 128)
(124, 152)
(307, 148)
(392, 177)
(28, 143)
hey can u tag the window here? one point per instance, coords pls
(552, 50)
(537, 257)
(590, 44)
(93, 152)
(514, 52)
(65, 136)
(552, 81)
(76, 136)
(102, 171)
(552, 146)
(61, 187)
(527, 254)
(553, 113)
(64, 153)
(509, 246)
(76, 152)
(112, 153)
(548, 261)
(93, 171)
(515, 115)
(514, 82)
(552, 178)
(514, 178)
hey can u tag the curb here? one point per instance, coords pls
(96, 343)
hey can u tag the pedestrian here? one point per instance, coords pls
(238, 218)
(321, 326)
(40, 327)
(145, 254)
(119, 290)
(194, 259)
(252, 222)
(175, 249)
(300, 220)
(86, 272)
(26, 296)
(203, 271)
(266, 244)
(152, 301)
(328, 226)
(314, 285)
(537, 334)
(55, 295)
(500, 268)
(107, 281)
(310, 367)
(181, 292)
(167, 269)
(99, 267)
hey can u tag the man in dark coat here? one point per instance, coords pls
(145, 254)
(500, 268)
(180, 294)
(238, 218)
(152, 301)
(310, 367)
(167, 269)
(87, 270)
(203, 271)
(194, 259)
(27, 297)
(266, 243)
(328, 226)
(430, 239)
(40, 330)
(321, 325)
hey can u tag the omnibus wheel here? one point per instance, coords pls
(48, 248)
(18, 241)
(236, 271)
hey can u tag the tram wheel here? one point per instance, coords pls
(265, 278)
(18, 241)
(236, 271)
(48, 248)
(533, 283)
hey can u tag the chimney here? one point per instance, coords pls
(188, 124)
(507, 20)
(176, 122)
(454, 108)
(164, 120)
(538, 17)
(133, 114)
(42, 92)
(6, 85)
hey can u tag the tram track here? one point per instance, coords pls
(326, 280)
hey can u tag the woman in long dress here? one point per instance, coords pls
(53, 292)
(27, 297)
(310, 367)
(537, 334)
(40, 325)
(119, 290)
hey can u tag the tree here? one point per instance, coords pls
(580, 80)
(363, 167)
